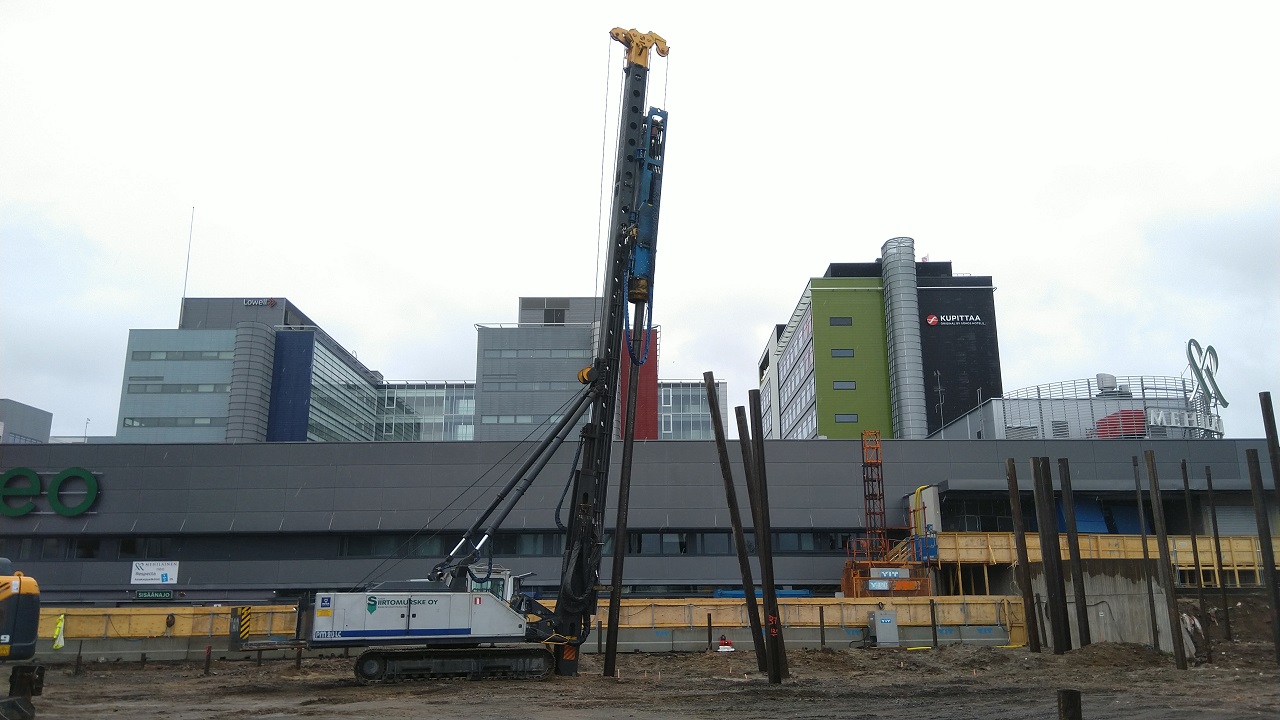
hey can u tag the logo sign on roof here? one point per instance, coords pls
(954, 319)
(1204, 366)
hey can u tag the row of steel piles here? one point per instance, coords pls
(767, 637)
(1050, 550)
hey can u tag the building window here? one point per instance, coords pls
(178, 388)
(553, 316)
(841, 321)
(844, 385)
(846, 417)
(841, 352)
(174, 422)
(183, 355)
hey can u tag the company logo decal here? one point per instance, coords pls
(269, 302)
(20, 487)
(373, 602)
(958, 319)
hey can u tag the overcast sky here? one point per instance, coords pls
(402, 171)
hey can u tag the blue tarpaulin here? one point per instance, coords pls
(1089, 517)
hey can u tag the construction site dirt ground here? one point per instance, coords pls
(957, 682)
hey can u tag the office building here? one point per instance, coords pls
(23, 424)
(527, 372)
(896, 346)
(244, 370)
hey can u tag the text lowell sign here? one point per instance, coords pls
(70, 493)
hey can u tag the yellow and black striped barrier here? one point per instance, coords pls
(241, 619)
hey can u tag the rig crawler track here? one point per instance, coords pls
(387, 665)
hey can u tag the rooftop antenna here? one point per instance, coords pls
(187, 270)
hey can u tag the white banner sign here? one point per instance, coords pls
(154, 573)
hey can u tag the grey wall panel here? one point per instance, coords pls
(356, 520)
(223, 573)
(208, 522)
(306, 521)
(260, 500)
(161, 523)
(160, 500)
(259, 521)
(112, 523)
(306, 499)
(107, 575)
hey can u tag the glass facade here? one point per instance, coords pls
(344, 405)
(796, 389)
(414, 412)
(683, 412)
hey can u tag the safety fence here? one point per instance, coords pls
(279, 621)
(1241, 554)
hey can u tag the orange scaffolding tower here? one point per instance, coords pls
(873, 496)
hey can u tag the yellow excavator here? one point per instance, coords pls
(19, 626)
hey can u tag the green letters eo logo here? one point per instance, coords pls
(22, 483)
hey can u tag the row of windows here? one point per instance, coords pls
(183, 355)
(537, 354)
(66, 548)
(518, 419)
(528, 544)
(420, 430)
(167, 388)
(639, 542)
(175, 422)
(797, 357)
(529, 386)
(685, 426)
(806, 429)
(687, 397)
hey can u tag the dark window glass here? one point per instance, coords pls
(841, 321)
(85, 548)
(841, 352)
(844, 385)
(714, 543)
(51, 549)
(846, 418)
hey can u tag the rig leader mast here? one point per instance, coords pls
(637, 193)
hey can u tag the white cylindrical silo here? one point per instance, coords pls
(902, 334)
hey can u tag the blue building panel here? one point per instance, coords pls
(291, 387)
